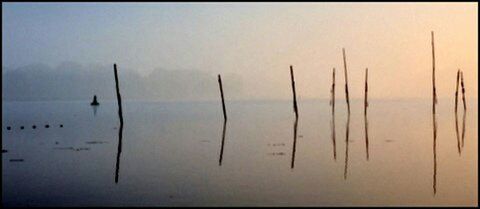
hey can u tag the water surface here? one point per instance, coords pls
(183, 154)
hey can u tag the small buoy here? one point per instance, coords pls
(21, 127)
(8, 127)
(61, 125)
(34, 126)
(94, 102)
(47, 126)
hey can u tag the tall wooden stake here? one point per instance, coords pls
(433, 74)
(120, 131)
(332, 91)
(456, 91)
(434, 120)
(119, 99)
(332, 102)
(366, 91)
(346, 79)
(295, 108)
(221, 94)
(463, 91)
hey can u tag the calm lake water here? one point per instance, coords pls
(182, 154)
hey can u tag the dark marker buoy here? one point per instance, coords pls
(34, 126)
(8, 128)
(21, 127)
(94, 102)
(47, 126)
(61, 125)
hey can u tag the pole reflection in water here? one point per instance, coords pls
(223, 142)
(119, 151)
(94, 110)
(460, 145)
(463, 127)
(458, 135)
(434, 154)
(366, 135)
(294, 141)
(333, 137)
(346, 147)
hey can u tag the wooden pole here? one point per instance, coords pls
(120, 131)
(366, 91)
(332, 102)
(433, 74)
(332, 91)
(119, 99)
(365, 112)
(295, 108)
(456, 91)
(221, 94)
(434, 120)
(346, 79)
(463, 91)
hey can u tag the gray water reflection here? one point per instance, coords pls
(173, 166)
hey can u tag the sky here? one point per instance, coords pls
(258, 42)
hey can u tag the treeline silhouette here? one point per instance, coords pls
(72, 81)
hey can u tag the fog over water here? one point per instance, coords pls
(173, 51)
(73, 81)
(160, 135)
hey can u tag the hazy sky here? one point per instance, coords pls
(258, 41)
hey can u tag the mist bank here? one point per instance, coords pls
(73, 81)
